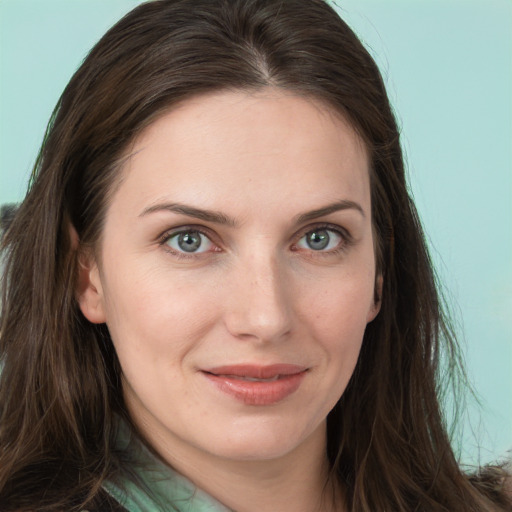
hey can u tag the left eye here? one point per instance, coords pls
(189, 242)
(320, 240)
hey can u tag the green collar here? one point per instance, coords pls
(154, 486)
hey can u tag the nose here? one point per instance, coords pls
(260, 301)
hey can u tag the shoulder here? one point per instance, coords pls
(495, 483)
(507, 486)
(103, 502)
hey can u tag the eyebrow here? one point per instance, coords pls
(217, 217)
(331, 208)
(198, 213)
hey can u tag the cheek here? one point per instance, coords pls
(342, 306)
(151, 315)
(337, 319)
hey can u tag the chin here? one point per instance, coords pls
(263, 441)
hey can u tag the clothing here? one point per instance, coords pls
(156, 488)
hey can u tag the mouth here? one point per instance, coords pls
(253, 379)
(257, 385)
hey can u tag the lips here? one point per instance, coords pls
(257, 385)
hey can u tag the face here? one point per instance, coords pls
(236, 274)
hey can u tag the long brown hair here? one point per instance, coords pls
(60, 384)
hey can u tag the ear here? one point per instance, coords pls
(89, 291)
(377, 299)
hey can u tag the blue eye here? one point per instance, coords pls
(191, 241)
(320, 240)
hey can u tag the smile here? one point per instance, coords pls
(257, 385)
(254, 379)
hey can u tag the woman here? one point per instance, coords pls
(217, 292)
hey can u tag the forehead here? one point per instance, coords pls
(269, 144)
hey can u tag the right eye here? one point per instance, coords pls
(190, 241)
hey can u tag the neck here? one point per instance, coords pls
(297, 481)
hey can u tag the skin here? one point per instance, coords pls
(255, 292)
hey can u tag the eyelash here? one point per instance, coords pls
(165, 237)
(345, 243)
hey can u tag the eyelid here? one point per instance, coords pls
(347, 238)
(169, 233)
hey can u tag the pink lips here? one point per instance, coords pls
(257, 385)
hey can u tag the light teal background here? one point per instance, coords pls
(448, 68)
